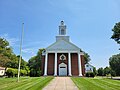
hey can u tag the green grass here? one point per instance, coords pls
(25, 83)
(96, 83)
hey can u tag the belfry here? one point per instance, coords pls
(63, 58)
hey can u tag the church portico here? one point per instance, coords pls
(53, 60)
(63, 58)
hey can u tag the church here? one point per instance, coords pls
(62, 58)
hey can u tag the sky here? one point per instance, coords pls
(89, 25)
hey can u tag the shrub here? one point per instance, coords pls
(32, 73)
(90, 74)
(35, 73)
(23, 72)
(113, 73)
(11, 72)
(87, 74)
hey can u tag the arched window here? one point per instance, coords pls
(62, 32)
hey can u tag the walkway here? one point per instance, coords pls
(61, 83)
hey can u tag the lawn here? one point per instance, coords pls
(96, 83)
(26, 83)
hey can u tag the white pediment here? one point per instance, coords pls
(62, 45)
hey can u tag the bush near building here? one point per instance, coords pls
(90, 74)
(11, 72)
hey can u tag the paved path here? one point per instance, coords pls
(61, 83)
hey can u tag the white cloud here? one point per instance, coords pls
(27, 53)
(12, 41)
(30, 51)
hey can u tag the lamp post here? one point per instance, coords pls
(20, 51)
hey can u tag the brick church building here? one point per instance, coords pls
(63, 58)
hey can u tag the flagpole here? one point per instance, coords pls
(20, 51)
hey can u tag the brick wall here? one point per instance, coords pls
(83, 65)
(74, 64)
(50, 66)
(42, 65)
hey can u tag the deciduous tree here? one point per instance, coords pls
(100, 71)
(116, 33)
(35, 63)
(86, 57)
(107, 70)
(114, 62)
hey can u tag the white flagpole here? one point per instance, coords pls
(20, 50)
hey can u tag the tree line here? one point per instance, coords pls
(114, 60)
(10, 60)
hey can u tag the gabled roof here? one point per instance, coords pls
(2, 68)
(62, 45)
(89, 64)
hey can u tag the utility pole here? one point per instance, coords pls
(20, 51)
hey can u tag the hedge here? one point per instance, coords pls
(35, 73)
(11, 72)
(90, 74)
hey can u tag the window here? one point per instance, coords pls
(2, 72)
(62, 67)
(62, 32)
(62, 57)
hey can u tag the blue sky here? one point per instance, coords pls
(89, 24)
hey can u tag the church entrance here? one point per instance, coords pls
(62, 69)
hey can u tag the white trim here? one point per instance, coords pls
(46, 60)
(60, 41)
(81, 53)
(69, 64)
(63, 56)
(79, 64)
(63, 51)
(65, 69)
(55, 67)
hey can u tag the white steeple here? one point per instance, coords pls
(62, 32)
(62, 28)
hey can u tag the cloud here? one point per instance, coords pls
(29, 48)
(12, 41)
(30, 51)
(27, 53)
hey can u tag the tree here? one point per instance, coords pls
(116, 33)
(114, 63)
(3, 60)
(7, 57)
(107, 70)
(86, 58)
(23, 63)
(100, 71)
(35, 63)
(13, 63)
(5, 52)
(94, 71)
(112, 73)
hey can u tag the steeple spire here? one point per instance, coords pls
(62, 32)
(62, 28)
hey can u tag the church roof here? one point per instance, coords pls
(62, 42)
(63, 45)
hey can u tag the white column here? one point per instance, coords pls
(69, 64)
(55, 67)
(79, 65)
(46, 60)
